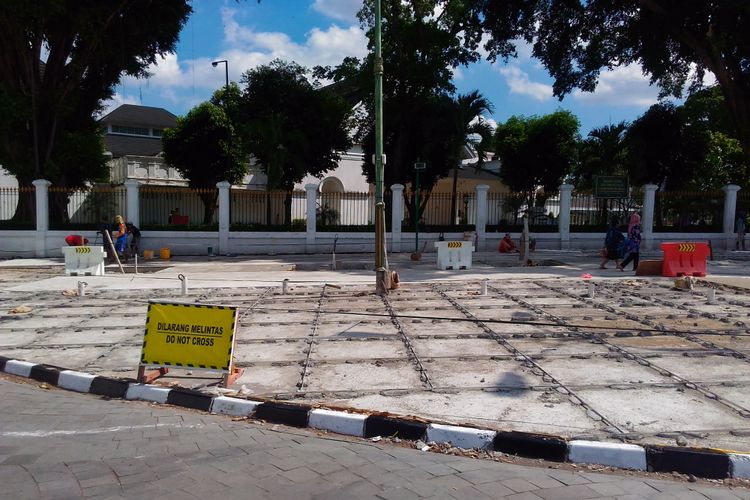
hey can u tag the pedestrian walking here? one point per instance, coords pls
(739, 226)
(612, 243)
(120, 234)
(135, 241)
(633, 243)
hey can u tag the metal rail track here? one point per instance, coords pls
(412, 355)
(311, 339)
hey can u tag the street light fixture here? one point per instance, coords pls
(226, 111)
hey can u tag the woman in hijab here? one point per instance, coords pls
(633, 245)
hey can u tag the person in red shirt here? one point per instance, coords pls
(76, 240)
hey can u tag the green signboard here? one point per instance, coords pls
(610, 187)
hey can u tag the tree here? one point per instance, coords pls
(603, 152)
(421, 44)
(537, 152)
(202, 149)
(676, 43)
(58, 61)
(291, 127)
(471, 132)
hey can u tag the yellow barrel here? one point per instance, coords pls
(148, 254)
(164, 253)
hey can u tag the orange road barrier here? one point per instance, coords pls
(684, 259)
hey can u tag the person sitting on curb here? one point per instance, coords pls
(507, 245)
(76, 240)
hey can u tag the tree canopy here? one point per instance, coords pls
(537, 151)
(676, 43)
(291, 127)
(202, 148)
(59, 59)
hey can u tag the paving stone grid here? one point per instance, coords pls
(637, 362)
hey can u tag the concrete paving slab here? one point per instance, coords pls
(363, 376)
(480, 373)
(599, 371)
(250, 330)
(553, 347)
(91, 336)
(267, 353)
(708, 368)
(439, 347)
(343, 350)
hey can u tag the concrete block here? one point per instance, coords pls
(145, 392)
(233, 406)
(740, 465)
(75, 381)
(461, 437)
(627, 456)
(351, 424)
(20, 368)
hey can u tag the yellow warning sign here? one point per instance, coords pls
(83, 249)
(686, 247)
(455, 244)
(191, 335)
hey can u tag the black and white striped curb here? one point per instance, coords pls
(700, 462)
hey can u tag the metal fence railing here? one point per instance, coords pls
(436, 215)
(84, 208)
(346, 211)
(17, 207)
(505, 211)
(168, 207)
(267, 210)
(688, 211)
(588, 213)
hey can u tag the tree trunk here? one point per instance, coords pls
(208, 197)
(454, 194)
(26, 206)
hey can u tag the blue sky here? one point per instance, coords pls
(312, 32)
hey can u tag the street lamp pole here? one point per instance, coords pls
(381, 278)
(226, 111)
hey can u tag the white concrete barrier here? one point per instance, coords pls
(454, 254)
(461, 437)
(628, 456)
(84, 261)
(351, 424)
(233, 406)
(740, 465)
(75, 381)
(145, 392)
(20, 368)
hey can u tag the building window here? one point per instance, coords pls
(156, 132)
(119, 129)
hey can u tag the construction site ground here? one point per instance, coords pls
(638, 361)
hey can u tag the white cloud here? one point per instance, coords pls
(519, 83)
(343, 10)
(248, 48)
(116, 101)
(621, 86)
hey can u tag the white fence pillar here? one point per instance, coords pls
(132, 209)
(730, 208)
(647, 217)
(481, 221)
(42, 216)
(223, 216)
(397, 215)
(311, 190)
(563, 219)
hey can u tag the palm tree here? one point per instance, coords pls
(472, 131)
(603, 152)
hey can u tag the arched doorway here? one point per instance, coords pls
(331, 192)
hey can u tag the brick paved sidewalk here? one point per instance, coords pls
(64, 445)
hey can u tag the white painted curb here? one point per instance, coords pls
(233, 406)
(75, 381)
(146, 392)
(627, 456)
(351, 424)
(740, 465)
(461, 437)
(20, 368)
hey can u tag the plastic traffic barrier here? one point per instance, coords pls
(84, 261)
(454, 254)
(684, 259)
